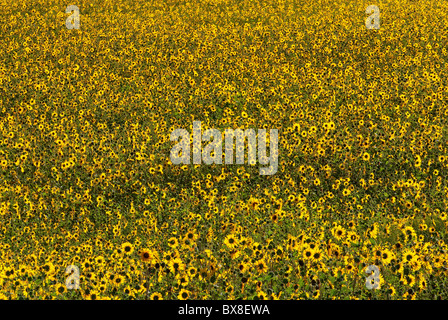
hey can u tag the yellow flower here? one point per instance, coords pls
(230, 241)
(156, 296)
(183, 294)
(366, 156)
(173, 242)
(176, 265)
(127, 248)
(261, 266)
(146, 255)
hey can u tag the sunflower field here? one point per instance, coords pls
(91, 206)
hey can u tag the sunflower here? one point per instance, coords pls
(234, 254)
(307, 254)
(378, 252)
(139, 288)
(127, 248)
(100, 260)
(146, 255)
(229, 289)
(422, 284)
(317, 255)
(192, 271)
(48, 268)
(391, 291)
(409, 256)
(352, 237)
(350, 268)
(102, 287)
(182, 280)
(176, 265)
(261, 266)
(230, 241)
(261, 295)
(191, 235)
(86, 265)
(387, 256)
(410, 280)
(93, 295)
(127, 291)
(398, 246)
(334, 250)
(156, 296)
(243, 267)
(187, 244)
(316, 294)
(183, 294)
(366, 156)
(60, 288)
(118, 280)
(173, 242)
(415, 264)
(338, 232)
